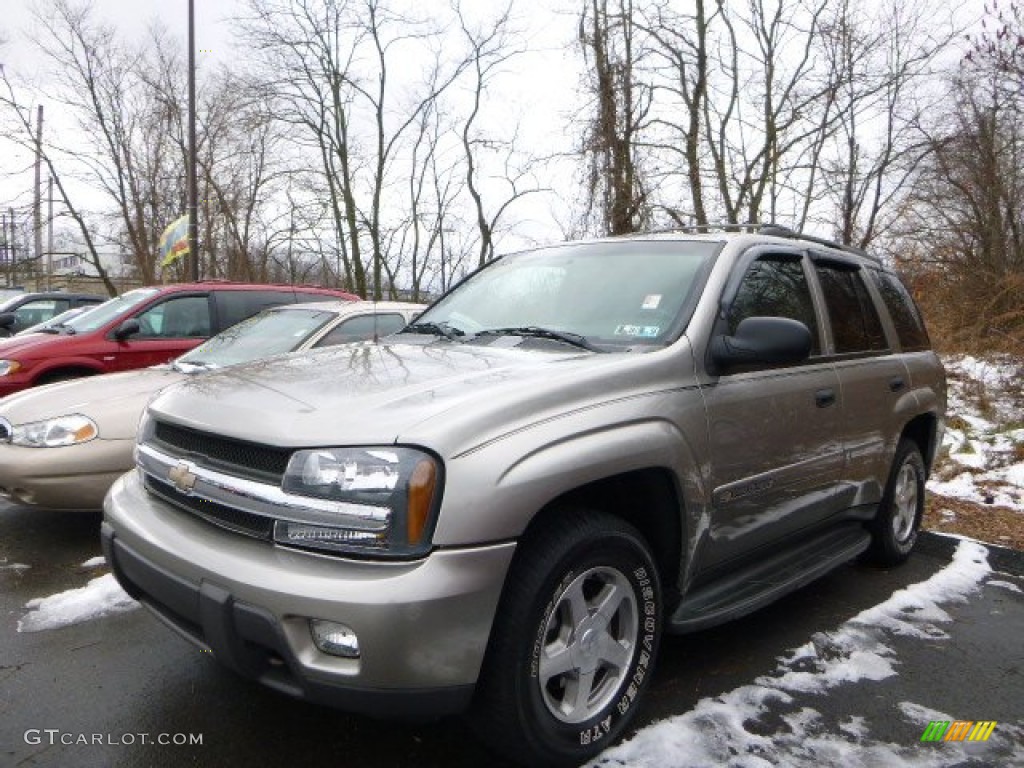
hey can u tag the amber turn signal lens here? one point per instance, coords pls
(421, 496)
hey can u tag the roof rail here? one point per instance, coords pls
(777, 230)
(720, 227)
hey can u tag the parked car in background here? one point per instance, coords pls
(500, 509)
(62, 445)
(140, 328)
(26, 309)
(55, 322)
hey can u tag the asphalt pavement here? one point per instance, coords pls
(106, 686)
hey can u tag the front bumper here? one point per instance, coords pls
(69, 477)
(423, 626)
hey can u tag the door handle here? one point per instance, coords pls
(823, 398)
(896, 383)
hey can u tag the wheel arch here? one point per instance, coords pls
(650, 500)
(923, 430)
(65, 371)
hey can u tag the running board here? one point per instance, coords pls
(740, 593)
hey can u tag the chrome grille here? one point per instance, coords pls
(222, 515)
(236, 457)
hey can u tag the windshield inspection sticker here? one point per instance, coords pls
(640, 331)
(651, 301)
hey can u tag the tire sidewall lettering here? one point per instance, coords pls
(606, 722)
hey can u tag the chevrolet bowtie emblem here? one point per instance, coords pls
(181, 477)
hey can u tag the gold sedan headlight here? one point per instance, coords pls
(54, 433)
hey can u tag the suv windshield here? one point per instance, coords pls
(624, 293)
(109, 310)
(269, 333)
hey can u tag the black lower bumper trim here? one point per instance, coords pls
(249, 640)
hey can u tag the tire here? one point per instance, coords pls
(549, 635)
(895, 527)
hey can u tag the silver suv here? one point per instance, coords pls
(576, 449)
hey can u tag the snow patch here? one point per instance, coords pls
(102, 596)
(723, 730)
(1005, 585)
(982, 434)
(94, 562)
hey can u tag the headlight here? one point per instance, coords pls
(388, 499)
(53, 433)
(7, 367)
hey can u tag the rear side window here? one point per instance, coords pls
(775, 287)
(180, 317)
(905, 316)
(362, 328)
(235, 306)
(38, 311)
(856, 326)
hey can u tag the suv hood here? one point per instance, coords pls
(440, 394)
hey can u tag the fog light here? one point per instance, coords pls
(334, 638)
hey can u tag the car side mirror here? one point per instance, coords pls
(7, 320)
(763, 340)
(128, 328)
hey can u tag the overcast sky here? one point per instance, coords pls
(212, 32)
(541, 85)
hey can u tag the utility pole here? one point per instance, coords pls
(13, 240)
(49, 235)
(5, 253)
(193, 185)
(37, 195)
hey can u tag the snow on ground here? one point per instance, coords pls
(730, 730)
(94, 562)
(100, 597)
(984, 439)
(5, 566)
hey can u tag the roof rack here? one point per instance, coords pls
(763, 228)
(777, 230)
(721, 227)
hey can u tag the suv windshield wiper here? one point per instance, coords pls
(445, 329)
(543, 333)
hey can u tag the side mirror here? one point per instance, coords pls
(763, 340)
(7, 320)
(128, 328)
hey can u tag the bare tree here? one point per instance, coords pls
(884, 64)
(967, 209)
(616, 187)
(129, 154)
(22, 135)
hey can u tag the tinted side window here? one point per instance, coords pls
(235, 306)
(38, 311)
(903, 311)
(183, 317)
(361, 328)
(856, 326)
(302, 297)
(775, 287)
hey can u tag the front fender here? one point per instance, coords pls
(492, 493)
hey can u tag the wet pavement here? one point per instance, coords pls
(112, 679)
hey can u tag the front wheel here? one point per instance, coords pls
(573, 643)
(894, 529)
